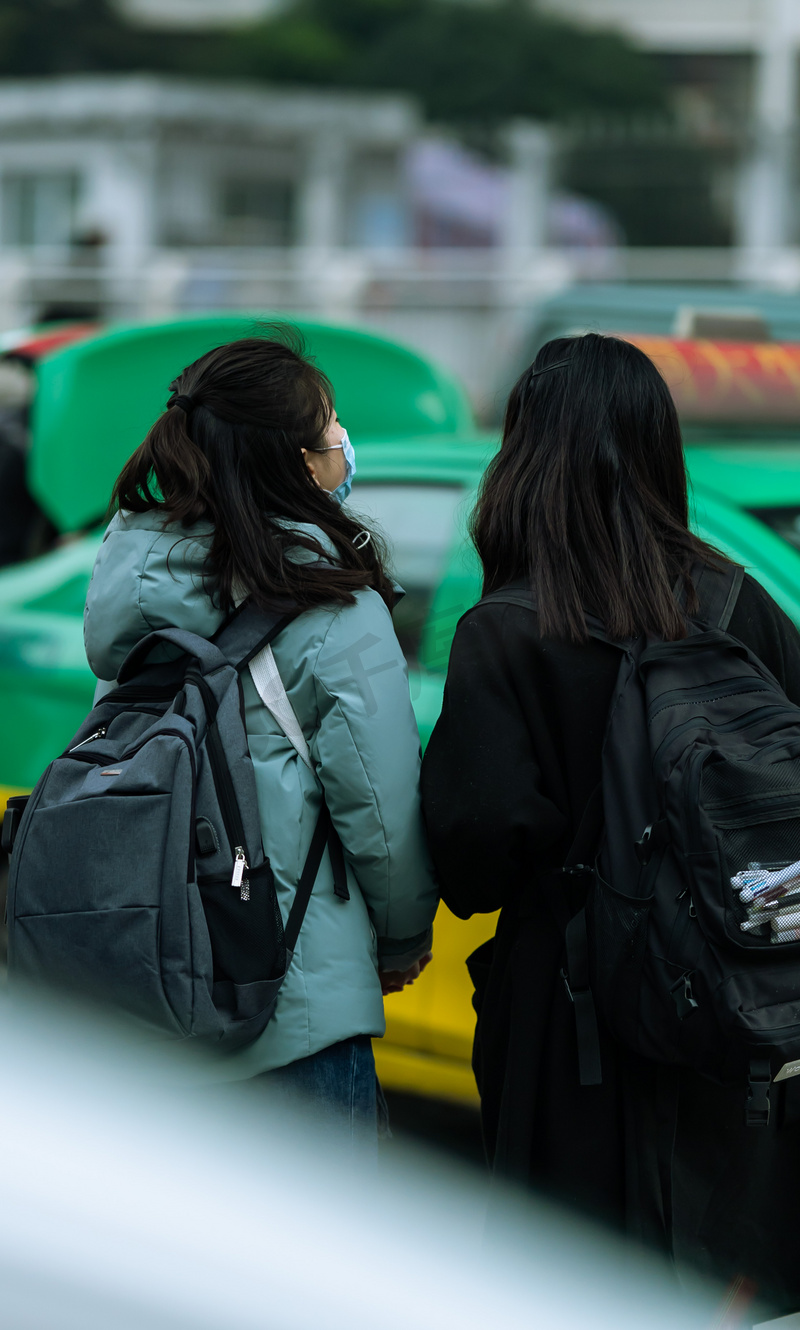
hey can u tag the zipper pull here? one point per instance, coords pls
(98, 734)
(239, 880)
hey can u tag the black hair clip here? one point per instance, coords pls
(534, 373)
(557, 364)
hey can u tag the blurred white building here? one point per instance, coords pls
(152, 162)
(132, 195)
(732, 66)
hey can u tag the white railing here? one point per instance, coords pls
(467, 308)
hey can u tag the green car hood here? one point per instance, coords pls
(97, 399)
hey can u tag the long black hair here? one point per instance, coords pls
(587, 497)
(227, 450)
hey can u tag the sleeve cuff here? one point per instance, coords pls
(401, 953)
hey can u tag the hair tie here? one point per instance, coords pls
(186, 403)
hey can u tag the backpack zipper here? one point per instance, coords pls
(752, 811)
(231, 816)
(228, 805)
(239, 880)
(131, 752)
(98, 734)
(740, 723)
(149, 692)
(677, 697)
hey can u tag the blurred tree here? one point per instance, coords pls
(478, 65)
(660, 190)
(75, 36)
(472, 66)
(469, 65)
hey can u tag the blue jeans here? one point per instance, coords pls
(338, 1089)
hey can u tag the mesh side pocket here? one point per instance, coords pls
(761, 884)
(754, 811)
(619, 931)
(729, 783)
(246, 934)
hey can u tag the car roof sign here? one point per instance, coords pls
(728, 382)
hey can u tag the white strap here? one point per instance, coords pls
(269, 686)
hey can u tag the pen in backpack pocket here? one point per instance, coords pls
(756, 884)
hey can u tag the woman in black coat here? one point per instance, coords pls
(586, 504)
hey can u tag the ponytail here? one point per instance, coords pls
(228, 450)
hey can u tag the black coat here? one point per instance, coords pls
(507, 774)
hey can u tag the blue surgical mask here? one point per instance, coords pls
(342, 492)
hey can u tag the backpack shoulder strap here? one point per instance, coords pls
(239, 639)
(249, 629)
(717, 588)
(718, 591)
(206, 653)
(245, 640)
(269, 686)
(526, 599)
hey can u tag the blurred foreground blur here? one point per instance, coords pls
(131, 1196)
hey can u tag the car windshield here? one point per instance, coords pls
(419, 524)
(785, 522)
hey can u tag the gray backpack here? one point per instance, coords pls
(138, 876)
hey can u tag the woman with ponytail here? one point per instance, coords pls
(584, 510)
(237, 492)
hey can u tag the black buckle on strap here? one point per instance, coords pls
(652, 839)
(643, 847)
(756, 1113)
(11, 820)
(683, 997)
(576, 979)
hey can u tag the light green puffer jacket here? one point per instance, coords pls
(346, 679)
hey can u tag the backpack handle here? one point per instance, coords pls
(241, 637)
(208, 656)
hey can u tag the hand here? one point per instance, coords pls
(394, 981)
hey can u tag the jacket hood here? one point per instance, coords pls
(148, 575)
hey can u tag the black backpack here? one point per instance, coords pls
(684, 928)
(138, 875)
